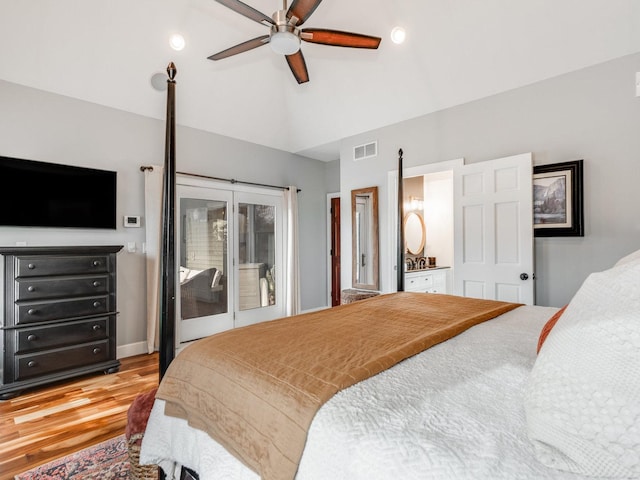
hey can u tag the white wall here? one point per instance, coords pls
(438, 217)
(591, 114)
(41, 126)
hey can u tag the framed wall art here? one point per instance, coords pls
(558, 200)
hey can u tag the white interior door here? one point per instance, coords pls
(493, 225)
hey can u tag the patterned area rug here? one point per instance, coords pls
(104, 461)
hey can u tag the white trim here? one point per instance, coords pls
(131, 349)
(316, 309)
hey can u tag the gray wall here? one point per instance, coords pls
(41, 126)
(591, 114)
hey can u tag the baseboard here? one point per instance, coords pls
(314, 309)
(139, 348)
(131, 349)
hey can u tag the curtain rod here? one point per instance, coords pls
(230, 180)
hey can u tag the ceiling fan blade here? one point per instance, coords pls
(241, 47)
(339, 39)
(302, 9)
(298, 67)
(247, 11)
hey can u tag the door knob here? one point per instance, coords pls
(524, 276)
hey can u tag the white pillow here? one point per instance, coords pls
(582, 400)
(632, 257)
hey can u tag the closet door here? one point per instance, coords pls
(259, 243)
(206, 276)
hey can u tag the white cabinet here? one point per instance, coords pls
(435, 280)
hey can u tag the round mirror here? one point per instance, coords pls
(414, 233)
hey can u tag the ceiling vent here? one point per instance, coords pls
(367, 150)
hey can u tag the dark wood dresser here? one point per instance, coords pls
(58, 314)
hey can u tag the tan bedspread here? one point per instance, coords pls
(256, 389)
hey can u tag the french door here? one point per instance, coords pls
(230, 253)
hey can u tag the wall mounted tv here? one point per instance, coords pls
(40, 194)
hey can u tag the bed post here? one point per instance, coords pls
(400, 268)
(167, 260)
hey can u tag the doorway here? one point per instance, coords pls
(493, 226)
(230, 254)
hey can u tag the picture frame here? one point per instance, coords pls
(558, 200)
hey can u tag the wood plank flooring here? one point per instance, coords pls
(49, 422)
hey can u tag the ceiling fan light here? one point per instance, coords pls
(284, 43)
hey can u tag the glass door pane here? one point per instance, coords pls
(204, 262)
(256, 255)
(259, 242)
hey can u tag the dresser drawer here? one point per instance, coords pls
(30, 339)
(27, 366)
(37, 288)
(34, 266)
(419, 283)
(32, 312)
(430, 281)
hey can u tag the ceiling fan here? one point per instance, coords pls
(285, 35)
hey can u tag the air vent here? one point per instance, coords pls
(367, 150)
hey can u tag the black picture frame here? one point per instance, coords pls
(558, 200)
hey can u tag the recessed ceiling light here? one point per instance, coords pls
(398, 35)
(177, 41)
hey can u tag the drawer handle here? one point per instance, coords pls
(96, 304)
(96, 328)
(32, 337)
(31, 288)
(96, 283)
(32, 363)
(96, 351)
(31, 266)
(96, 263)
(32, 311)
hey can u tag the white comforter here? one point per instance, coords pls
(454, 411)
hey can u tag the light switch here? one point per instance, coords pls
(131, 247)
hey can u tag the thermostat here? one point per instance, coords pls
(131, 221)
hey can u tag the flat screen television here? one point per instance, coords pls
(40, 194)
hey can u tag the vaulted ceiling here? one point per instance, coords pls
(456, 51)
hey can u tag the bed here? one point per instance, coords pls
(429, 413)
(459, 408)
(520, 392)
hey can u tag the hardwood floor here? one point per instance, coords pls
(49, 422)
